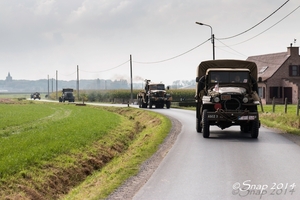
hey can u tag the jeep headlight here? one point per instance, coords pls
(216, 99)
(245, 99)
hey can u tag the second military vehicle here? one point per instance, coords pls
(155, 94)
(67, 95)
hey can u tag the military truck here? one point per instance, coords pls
(154, 94)
(227, 95)
(67, 95)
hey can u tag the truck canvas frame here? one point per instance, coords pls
(227, 95)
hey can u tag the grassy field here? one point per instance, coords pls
(32, 133)
(46, 150)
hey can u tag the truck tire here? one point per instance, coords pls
(205, 124)
(168, 104)
(198, 125)
(255, 128)
(150, 104)
(144, 105)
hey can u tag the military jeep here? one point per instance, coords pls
(226, 95)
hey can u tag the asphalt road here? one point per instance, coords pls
(228, 165)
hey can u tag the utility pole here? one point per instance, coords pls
(48, 87)
(77, 82)
(131, 89)
(56, 84)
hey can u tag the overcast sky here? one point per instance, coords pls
(40, 37)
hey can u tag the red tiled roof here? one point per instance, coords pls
(270, 62)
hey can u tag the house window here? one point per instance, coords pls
(294, 70)
(275, 92)
(263, 69)
(261, 92)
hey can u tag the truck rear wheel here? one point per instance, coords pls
(205, 124)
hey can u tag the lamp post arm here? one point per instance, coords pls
(212, 36)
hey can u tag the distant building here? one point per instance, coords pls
(279, 76)
(8, 78)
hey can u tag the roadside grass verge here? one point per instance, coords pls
(104, 182)
(287, 122)
(63, 145)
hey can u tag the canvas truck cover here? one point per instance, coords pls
(234, 64)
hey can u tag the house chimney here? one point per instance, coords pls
(293, 51)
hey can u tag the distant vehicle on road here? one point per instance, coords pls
(67, 95)
(35, 96)
(154, 94)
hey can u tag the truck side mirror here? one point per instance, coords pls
(168, 87)
(197, 79)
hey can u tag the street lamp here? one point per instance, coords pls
(212, 37)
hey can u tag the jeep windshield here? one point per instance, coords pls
(228, 77)
(157, 87)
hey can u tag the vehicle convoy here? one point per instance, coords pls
(35, 96)
(227, 95)
(154, 94)
(67, 95)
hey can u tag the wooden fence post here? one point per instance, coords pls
(273, 103)
(285, 105)
(298, 107)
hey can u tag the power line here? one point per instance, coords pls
(256, 24)
(106, 69)
(266, 29)
(266, 62)
(231, 48)
(69, 74)
(174, 56)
